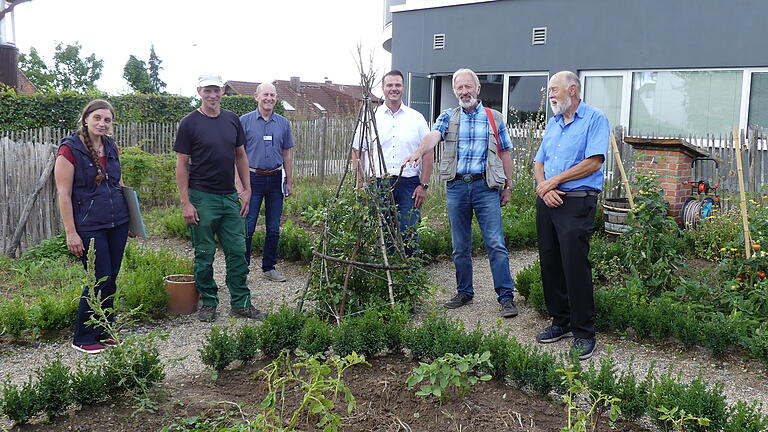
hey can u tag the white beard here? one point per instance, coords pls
(560, 107)
(468, 104)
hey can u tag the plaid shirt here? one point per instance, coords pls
(473, 138)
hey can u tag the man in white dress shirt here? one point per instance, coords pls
(400, 130)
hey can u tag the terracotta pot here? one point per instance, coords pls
(182, 294)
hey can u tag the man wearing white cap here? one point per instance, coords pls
(209, 144)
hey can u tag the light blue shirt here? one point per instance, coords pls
(564, 146)
(473, 138)
(265, 140)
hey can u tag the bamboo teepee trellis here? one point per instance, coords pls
(374, 195)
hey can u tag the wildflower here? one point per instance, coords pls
(733, 249)
(723, 249)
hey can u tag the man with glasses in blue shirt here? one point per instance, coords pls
(569, 175)
(477, 167)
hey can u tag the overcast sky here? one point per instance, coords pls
(243, 40)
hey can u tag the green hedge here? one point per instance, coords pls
(62, 110)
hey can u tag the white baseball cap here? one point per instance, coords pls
(210, 79)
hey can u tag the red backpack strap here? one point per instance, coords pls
(489, 114)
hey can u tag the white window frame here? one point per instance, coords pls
(505, 89)
(746, 93)
(626, 90)
(626, 96)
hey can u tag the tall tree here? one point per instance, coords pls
(74, 73)
(36, 70)
(154, 70)
(135, 72)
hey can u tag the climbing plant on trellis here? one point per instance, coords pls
(360, 260)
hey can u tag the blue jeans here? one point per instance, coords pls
(109, 246)
(268, 189)
(407, 215)
(462, 200)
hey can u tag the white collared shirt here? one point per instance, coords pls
(400, 134)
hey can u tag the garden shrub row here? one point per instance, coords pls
(46, 283)
(386, 330)
(133, 367)
(626, 306)
(62, 110)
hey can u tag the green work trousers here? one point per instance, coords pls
(220, 216)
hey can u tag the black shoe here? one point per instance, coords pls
(508, 308)
(458, 300)
(250, 312)
(553, 333)
(584, 347)
(207, 313)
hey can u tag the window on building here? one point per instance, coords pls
(526, 98)
(678, 103)
(604, 93)
(758, 100)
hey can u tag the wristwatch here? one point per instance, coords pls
(425, 186)
(507, 187)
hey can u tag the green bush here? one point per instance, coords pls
(62, 110)
(247, 342)
(14, 317)
(48, 249)
(527, 277)
(219, 349)
(141, 284)
(54, 389)
(743, 417)
(20, 404)
(706, 240)
(529, 366)
(695, 398)
(281, 330)
(370, 332)
(89, 386)
(316, 336)
(153, 176)
(172, 224)
(55, 312)
(437, 336)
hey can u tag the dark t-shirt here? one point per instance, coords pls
(210, 143)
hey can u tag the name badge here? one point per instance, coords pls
(267, 137)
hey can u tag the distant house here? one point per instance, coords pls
(24, 85)
(308, 100)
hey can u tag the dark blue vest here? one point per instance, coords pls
(96, 207)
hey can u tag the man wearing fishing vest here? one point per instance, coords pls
(569, 174)
(476, 164)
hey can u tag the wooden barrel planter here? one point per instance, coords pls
(182, 294)
(615, 212)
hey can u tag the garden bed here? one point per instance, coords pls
(384, 404)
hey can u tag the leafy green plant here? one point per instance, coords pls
(450, 371)
(319, 379)
(438, 335)
(280, 331)
(89, 385)
(527, 277)
(651, 240)
(316, 336)
(54, 389)
(219, 349)
(598, 403)
(370, 332)
(247, 342)
(678, 418)
(20, 403)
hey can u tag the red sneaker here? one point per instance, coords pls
(89, 349)
(110, 341)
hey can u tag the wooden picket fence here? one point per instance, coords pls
(321, 150)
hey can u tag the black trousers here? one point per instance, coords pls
(566, 273)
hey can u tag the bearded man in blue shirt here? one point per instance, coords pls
(476, 164)
(569, 175)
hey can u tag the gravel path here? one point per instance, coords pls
(743, 380)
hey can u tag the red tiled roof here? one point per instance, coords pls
(338, 100)
(23, 84)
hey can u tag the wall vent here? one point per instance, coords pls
(539, 36)
(438, 41)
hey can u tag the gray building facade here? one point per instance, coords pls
(665, 67)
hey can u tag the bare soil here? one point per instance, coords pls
(384, 404)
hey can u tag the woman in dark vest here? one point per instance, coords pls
(94, 212)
